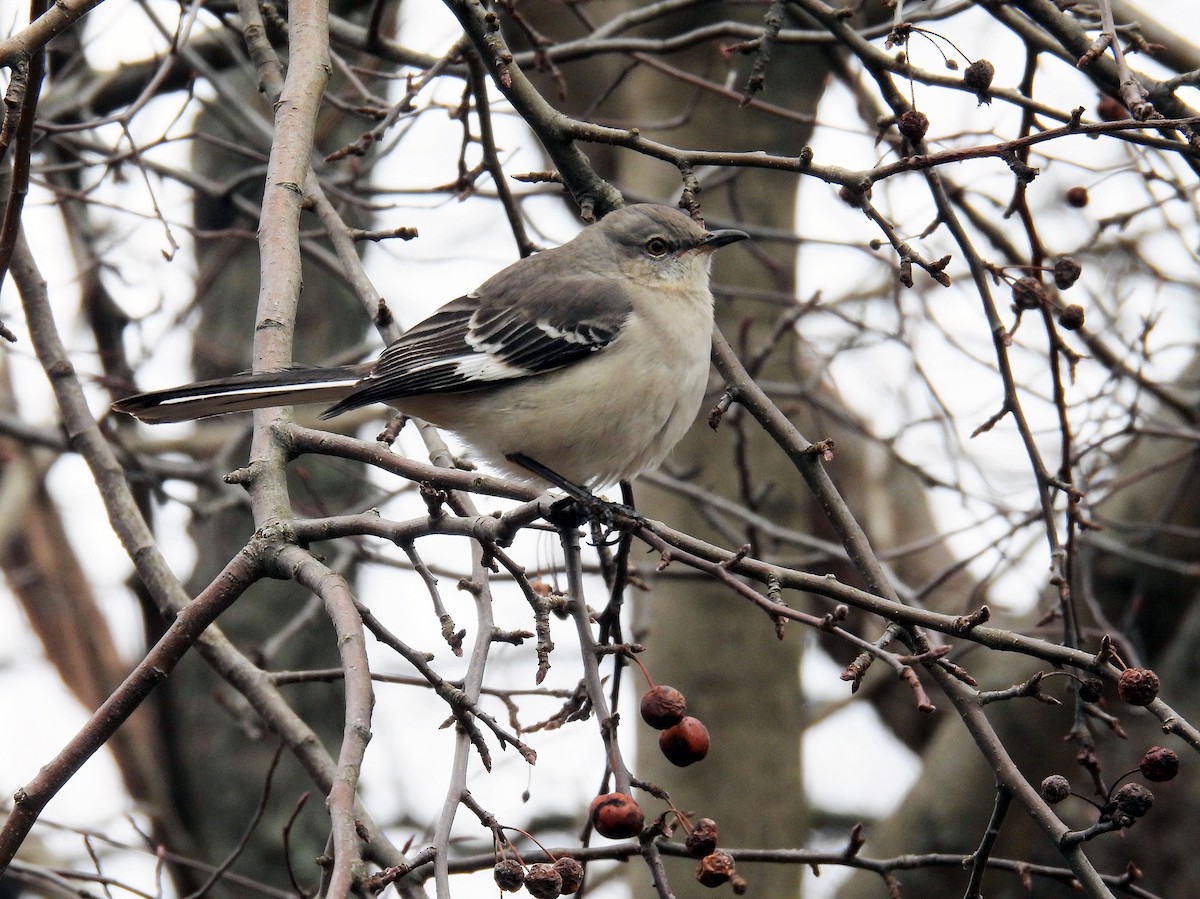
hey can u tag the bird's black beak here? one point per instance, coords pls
(716, 239)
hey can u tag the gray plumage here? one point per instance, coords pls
(590, 358)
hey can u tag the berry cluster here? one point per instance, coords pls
(1126, 803)
(716, 867)
(542, 880)
(684, 740)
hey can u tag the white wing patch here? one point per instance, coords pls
(486, 367)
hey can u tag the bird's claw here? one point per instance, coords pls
(573, 511)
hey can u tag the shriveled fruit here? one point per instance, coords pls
(571, 872)
(1138, 686)
(543, 881)
(1055, 789)
(715, 869)
(663, 707)
(509, 874)
(702, 839)
(1159, 764)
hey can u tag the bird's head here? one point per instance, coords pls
(661, 245)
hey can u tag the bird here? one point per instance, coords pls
(586, 362)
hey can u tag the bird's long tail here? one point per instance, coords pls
(239, 393)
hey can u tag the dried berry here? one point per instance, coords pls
(738, 884)
(686, 743)
(715, 869)
(913, 125)
(1110, 109)
(1071, 318)
(509, 874)
(616, 816)
(1133, 800)
(702, 840)
(1091, 690)
(1077, 197)
(1066, 272)
(1159, 764)
(571, 872)
(1028, 293)
(978, 77)
(1055, 789)
(542, 881)
(663, 707)
(1138, 686)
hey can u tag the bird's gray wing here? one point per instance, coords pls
(491, 336)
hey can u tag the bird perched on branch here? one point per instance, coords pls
(587, 361)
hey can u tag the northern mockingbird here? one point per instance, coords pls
(590, 359)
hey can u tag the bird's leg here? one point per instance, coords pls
(570, 488)
(578, 498)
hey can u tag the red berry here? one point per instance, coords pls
(663, 707)
(1138, 686)
(1159, 764)
(686, 743)
(616, 816)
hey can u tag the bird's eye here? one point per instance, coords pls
(657, 247)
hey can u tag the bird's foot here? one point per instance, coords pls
(580, 504)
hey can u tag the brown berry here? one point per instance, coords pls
(1111, 109)
(1133, 800)
(978, 77)
(1077, 196)
(738, 884)
(715, 869)
(686, 743)
(1091, 690)
(702, 839)
(663, 707)
(542, 881)
(571, 872)
(1138, 686)
(1028, 293)
(1055, 789)
(1071, 318)
(1159, 764)
(913, 125)
(1066, 271)
(616, 816)
(509, 874)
